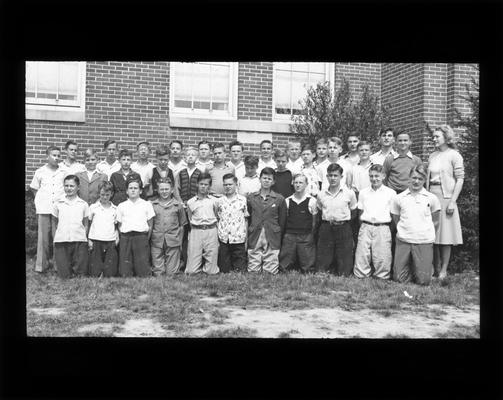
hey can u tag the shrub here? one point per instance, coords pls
(31, 225)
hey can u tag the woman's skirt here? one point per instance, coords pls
(449, 228)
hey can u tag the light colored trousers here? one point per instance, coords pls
(263, 257)
(374, 246)
(202, 243)
(165, 260)
(45, 242)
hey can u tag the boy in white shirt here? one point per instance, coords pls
(204, 163)
(70, 165)
(236, 161)
(352, 155)
(110, 164)
(176, 162)
(294, 163)
(386, 140)
(266, 160)
(334, 149)
(144, 168)
(313, 185)
(250, 183)
(360, 172)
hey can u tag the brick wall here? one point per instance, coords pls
(255, 90)
(358, 75)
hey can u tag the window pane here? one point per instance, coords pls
(317, 67)
(68, 80)
(183, 85)
(31, 78)
(201, 85)
(220, 87)
(299, 83)
(301, 67)
(47, 79)
(282, 92)
(283, 66)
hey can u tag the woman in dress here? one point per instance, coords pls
(445, 180)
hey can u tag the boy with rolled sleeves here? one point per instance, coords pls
(47, 186)
(267, 211)
(203, 237)
(120, 177)
(374, 235)
(298, 248)
(167, 230)
(70, 240)
(90, 179)
(103, 235)
(335, 238)
(135, 217)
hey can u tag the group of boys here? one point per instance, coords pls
(285, 209)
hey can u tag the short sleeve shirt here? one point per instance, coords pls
(108, 169)
(72, 169)
(144, 170)
(203, 210)
(376, 204)
(49, 186)
(217, 174)
(360, 177)
(415, 224)
(379, 157)
(295, 166)
(322, 172)
(232, 215)
(168, 222)
(103, 220)
(204, 166)
(248, 185)
(239, 170)
(337, 206)
(134, 216)
(176, 168)
(313, 180)
(70, 214)
(262, 164)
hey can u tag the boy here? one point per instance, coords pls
(47, 186)
(250, 183)
(294, 163)
(110, 164)
(265, 160)
(335, 240)
(162, 170)
(397, 167)
(374, 235)
(219, 169)
(267, 212)
(386, 140)
(70, 165)
(90, 179)
(360, 172)
(203, 237)
(232, 212)
(313, 179)
(236, 150)
(334, 149)
(204, 162)
(120, 177)
(352, 155)
(321, 153)
(416, 213)
(283, 178)
(135, 226)
(298, 247)
(103, 235)
(70, 240)
(168, 230)
(176, 162)
(144, 168)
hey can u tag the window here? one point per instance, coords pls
(55, 88)
(204, 89)
(291, 81)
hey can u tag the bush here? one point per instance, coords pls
(31, 226)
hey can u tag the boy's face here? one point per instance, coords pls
(143, 152)
(204, 151)
(266, 150)
(71, 187)
(364, 152)
(300, 184)
(203, 186)
(353, 143)
(236, 153)
(403, 142)
(376, 179)
(266, 181)
(387, 139)
(307, 157)
(111, 150)
(250, 170)
(334, 178)
(294, 150)
(333, 149)
(218, 155)
(191, 157)
(71, 151)
(416, 182)
(125, 162)
(133, 190)
(105, 196)
(229, 186)
(176, 150)
(53, 158)
(163, 161)
(281, 163)
(321, 150)
(90, 162)
(165, 190)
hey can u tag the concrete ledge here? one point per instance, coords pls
(230, 125)
(55, 115)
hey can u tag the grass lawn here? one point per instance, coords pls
(247, 305)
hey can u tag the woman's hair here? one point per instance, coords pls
(419, 169)
(448, 133)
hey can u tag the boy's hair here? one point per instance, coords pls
(125, 152)
(293, 141)
(251, 161)
(385, 130)
(143, 143)
(279, 153)
(336, 140)
(75, 178)
(307, 146)
(268, 171)
(353, 135)
(235, 143)
(176, 141)
(190, 148)
(334, 167)
(219, 146)
(302, 175)
(108, 143)
(203, 142)
(266, 141)
(107, 186)
(130, 179)
(321, 141)
(52, 148)
(89, 152)
(376, 167)
(70, 142)
(162, 150)
(363, 143)
(204, 175)
(419, 169)
(230, 176)
(404, 133)
(165, 179)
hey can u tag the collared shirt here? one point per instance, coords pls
(144, 170)
(217, 174)
(176, 168)
(376, 204)
(360, 177)
(415, 224)
(103, 222)
(239, 170)
(295, 166)
(49, 186)
(312, 205)
(379, 157)
(134, 216)
(337, 206)
(168, 224)
(262, 164)
(72, 169)
(203, 210)
(313, 179)
(351, 160)
(397, 168)
(204, 166)
(70, 214)
(248, 185)
(322, 172)
(232, 213)
(108, 169)
(90, 174)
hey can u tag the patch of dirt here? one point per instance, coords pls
(142, 328)
(213, 300)
(48, 311)
(105, 328)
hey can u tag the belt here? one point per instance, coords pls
(335, 222)
(434, 183)
(213, 225)
(376, 224)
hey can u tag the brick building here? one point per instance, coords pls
(218, 101)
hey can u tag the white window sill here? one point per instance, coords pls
(231, 125)
(68, 114)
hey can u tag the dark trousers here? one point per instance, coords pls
(298, 250)
(134, 254)
(335, 243)
(185, 242)
(103, 259)
(232, 257)
(71, 258)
